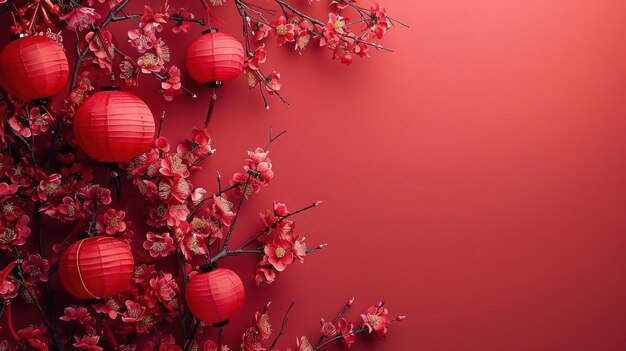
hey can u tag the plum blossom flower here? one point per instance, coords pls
(261, 32)
(20, 125)
(80, 17)
(87, 343)
(259, 56)
(149, 63)
(171, 86)
(114, 221)
(101, 44)
(181, 25)
(36, 337)
(328, 329)
(346, 329)
(15, 236)
(279, 254)
(265, 275)
(39, 121)
(70, 208)
(35, 268)
(129, 71)
(110, 307)
(250, 340)
(159, 244)
(8, 287)
(134, 312)
(377, 320)
(284, 31)
(140, 39)
(173, 166)
(273, 83)
(151, 20)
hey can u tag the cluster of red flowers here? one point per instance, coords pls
(187, 224)
(375, 320)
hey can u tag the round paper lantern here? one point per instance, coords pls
(33, 67)
(114, 126)
(97, 267)
(215, 296)
(214, 58)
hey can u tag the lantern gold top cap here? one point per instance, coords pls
(210, 30)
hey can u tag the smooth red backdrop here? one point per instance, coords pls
(474, 179)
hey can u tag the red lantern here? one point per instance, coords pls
(215, 296)
(97, 267)
(214, 58)
(114, 126)
(33, 67)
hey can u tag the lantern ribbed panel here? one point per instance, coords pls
(114, 126)
(214, 57)
(33, 67)
(215, 296)
(96, 267)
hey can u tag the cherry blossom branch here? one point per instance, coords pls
(267, 230)
(232, 225)
(340, 336)
(282, 326)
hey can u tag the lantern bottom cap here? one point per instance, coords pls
(40, 101)
(220, 324)
(215, 84)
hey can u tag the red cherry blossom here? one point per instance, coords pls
(101, 44)
(134, 312)
(261, 32)
(151, 20)
(250, 340)
(110, 307)
(171, 86)
(114, 221)
(273, 84)
(70, 208)
(284, 31)
(328, 329)
(40, 120)
(279, 254)
(142, 40)
(265, 275)
(173, 166)
(36, 337)
(87, 343)
(80, 18)
(35, 268)
(259, 57)
(15, 236)
(159, 244)
(20, 125)
(347, 330)
(150, 63)
(377, 320)
(182, 26)
(129, 71)
(49, 186)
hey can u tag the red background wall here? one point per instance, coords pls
(473, 179)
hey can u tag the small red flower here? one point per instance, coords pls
(171, 86)
(261, 32)
(346, 329)
(159, 244)
(328, 329)
(142, 40)
(36, 337)
(272, 83)
(129, 71)
(250, 340)
(377, 320)
(279, 254)
(80, 18)
(114, 221)
(173, 166)
(87, 343)
(35, 268)
(284, 31)
(149, 63)
(259, 56)
(134, 312)
(39, 121)
(182, 25)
